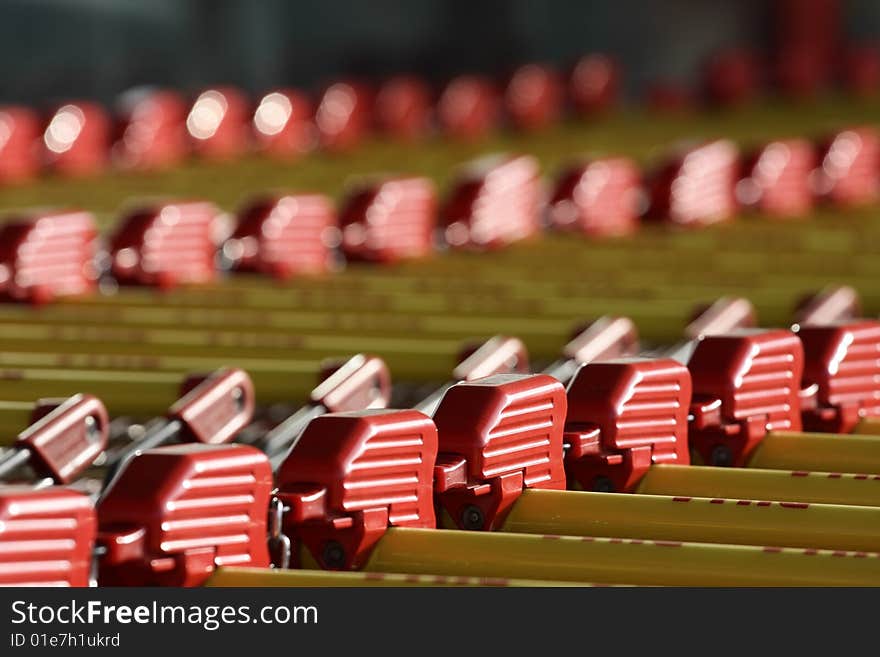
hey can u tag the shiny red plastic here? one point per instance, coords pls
(361, 382)
(353, 475)
(746, 383)
(152, 130)
(593, 84)
(177, 513)
(724, 315)
(534, 97)
(343, 116)
(166, 245)
(284, 236)
(843, 360)
(65, 437)
(606, 338)
(849, 168)
(495, 201)
(469, 107)
(831, 304)
(390, 220)
(48, 255)
(507, 429)
(731, 77)
(215, 409)
(283, 124)
(19, 136)
(640, 409)
(403, 107)
(46, 536)
(600, 198)
(218, 124)
(776, 178)
(77, 139)
(499, 354)
(696, 187)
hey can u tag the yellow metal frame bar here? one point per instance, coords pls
(613, 560)
(756, 484)
(697, 519)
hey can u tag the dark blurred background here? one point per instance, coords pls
(52, 49)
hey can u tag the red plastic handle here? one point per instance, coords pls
(46, 536)
(497, 355)
(177, 512)
(353, 475)
(361, 382)
(756, 376)
(216, 409)
(607, 337)
(842, 371)
(66, 440)
(833, 304)
(640, 408)
(507, 429)
(47, 255)
(724, 315)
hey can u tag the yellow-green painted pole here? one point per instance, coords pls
(767, 485)
(268, 577)
(612, 560)
(696, 519)
(825, 452)
(868, 426)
